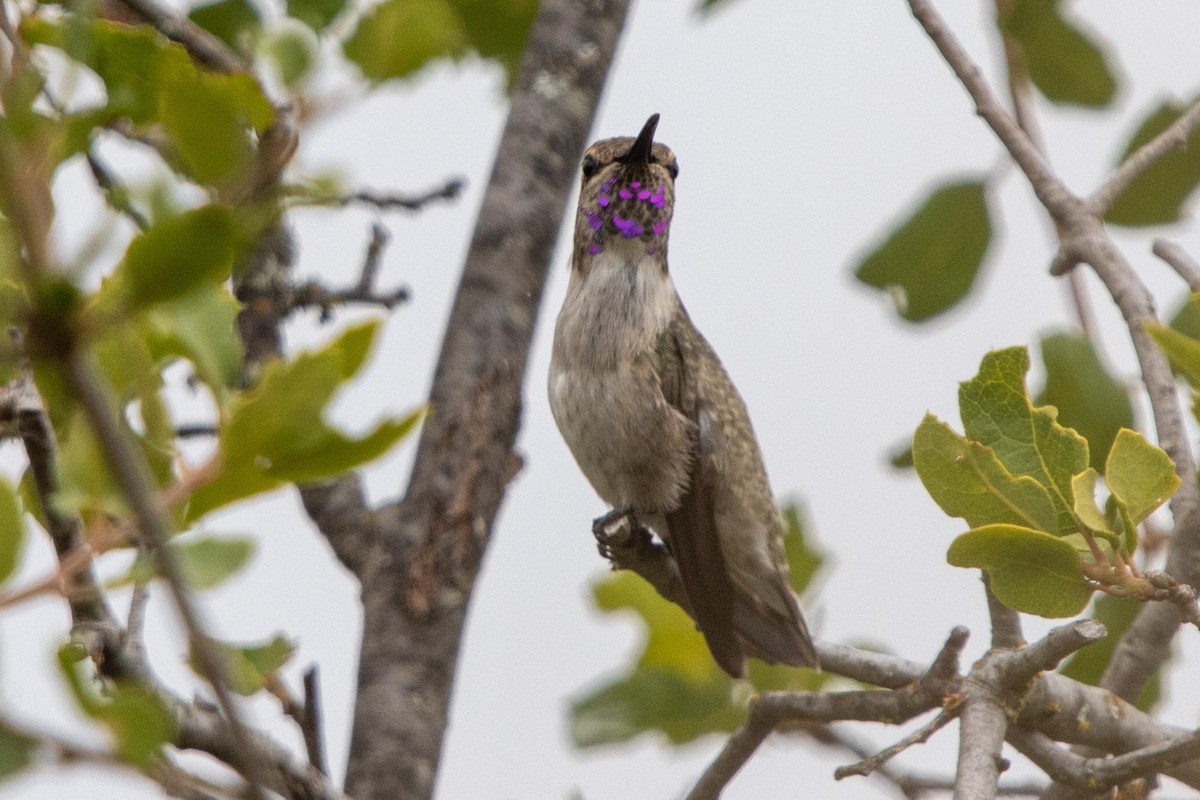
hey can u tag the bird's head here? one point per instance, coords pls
(628, 194)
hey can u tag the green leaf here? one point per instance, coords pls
(804, 560)
(398, 37)
(1187, 319)
(295, 50)
(1156, 197)
(1139, 475)
(130, 60)
(141, 723)
(209, 561)
(1084, 488)
(237, 23)
(316, 14)
(673, 643)
(997, 413)
(85, 482)
(178, 255)
(1184, 351)
(16, 752)
(206, 561)
(1088, 399)
(1088, 665)
(12, 533)
(276, 432)
(497, 29)
(930, 261)
(199, 326)
(249, 665)
(139, 720)
(1065, 65)
(967, 480)
(1030, 571)
(653, 700)
(210, 118)
(901, 456)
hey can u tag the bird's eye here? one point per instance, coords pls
(590, 165)
(673, 169)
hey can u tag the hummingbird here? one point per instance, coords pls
(653, 419)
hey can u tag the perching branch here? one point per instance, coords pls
(773, 710)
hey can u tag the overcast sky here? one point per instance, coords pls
(803, 130)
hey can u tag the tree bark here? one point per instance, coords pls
(418, 578)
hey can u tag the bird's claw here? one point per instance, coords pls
(612, 530)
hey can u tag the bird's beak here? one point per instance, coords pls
(640, 152)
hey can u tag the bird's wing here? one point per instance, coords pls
(754, 579)
(692, 530)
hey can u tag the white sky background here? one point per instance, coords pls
(803, 131)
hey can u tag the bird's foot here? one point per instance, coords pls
(621, 538)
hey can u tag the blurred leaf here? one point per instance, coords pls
(498, 29)
(209, 561)
(901, 457)
(178, 255)
(1186, 320)
(210, 118)
(130, 60)
(206, 561)
(1088, 399)
(967, 480)
(199, 326)
(139, 721)
(653, 699)
(931, 259)
(1183, 351)
(1030, 571)
(12, 533)
(294, 50)
(316, 14)
(16, 752)
(84, 478)
(398, 37)
(998, 413)
(148, 79)
(276, 432)
(1139, 475)
(672, 641)
(1156, 197)
(804, 560)
(249, 665)
(1088, 665)
(1064, 64)
(237, 23)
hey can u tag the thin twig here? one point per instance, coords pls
(312, 294)
(115, 190)
(920, 736)
(131, 474)
(1173, 138)
(1179, 260)
(313, 726)
(201, 45)
(391, 201)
